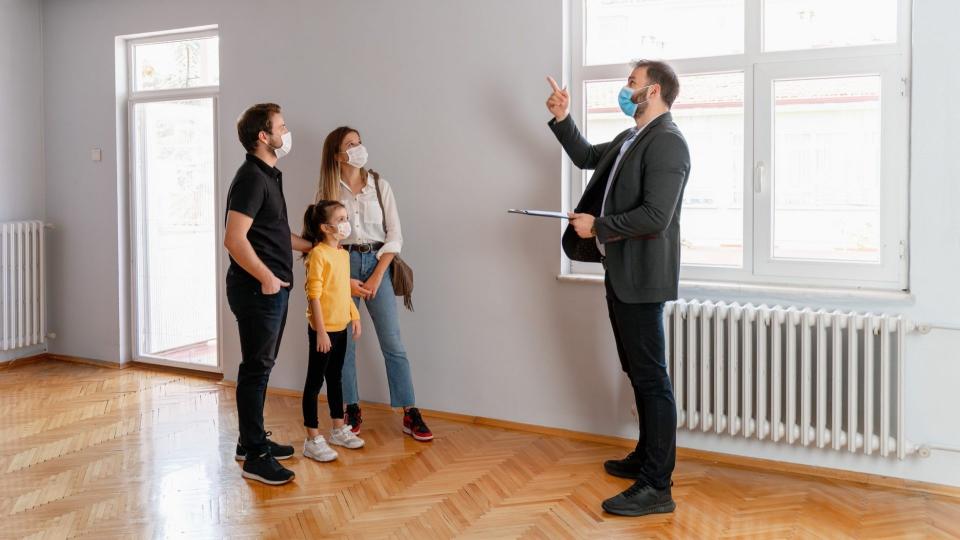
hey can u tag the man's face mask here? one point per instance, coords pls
(627, 104)
(284, 149)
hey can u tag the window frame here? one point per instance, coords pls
(131, 99)
(891, 61)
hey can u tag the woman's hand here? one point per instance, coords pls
(323, 342)
(358, 289)
(373, 284)
(356, 330)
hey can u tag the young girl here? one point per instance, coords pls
(329, 311)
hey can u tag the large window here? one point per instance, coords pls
(797, 117)
(172, 87)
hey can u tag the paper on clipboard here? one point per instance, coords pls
(539, 213)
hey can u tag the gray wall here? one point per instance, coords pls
(21, 107)
(449, 99)
(21, 177)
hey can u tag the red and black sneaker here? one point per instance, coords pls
(414, 425)
(353, 418)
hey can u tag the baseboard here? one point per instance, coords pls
(86, 361)
(795, 469)
(26, 360)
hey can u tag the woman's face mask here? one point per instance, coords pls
(357, 156)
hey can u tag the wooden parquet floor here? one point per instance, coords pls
(89, 452)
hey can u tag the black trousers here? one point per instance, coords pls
(327, 365)
(260, 320)
(638, 331)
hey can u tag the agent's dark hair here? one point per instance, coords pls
(661, 73)
(316, 215)
(254, 120)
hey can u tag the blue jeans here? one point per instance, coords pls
(383, 312)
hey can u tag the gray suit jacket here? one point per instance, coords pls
(641, 229)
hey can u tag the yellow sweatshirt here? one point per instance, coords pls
(328, 280)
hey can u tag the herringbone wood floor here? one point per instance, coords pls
(98, 453)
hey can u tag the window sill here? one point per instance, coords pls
(720, 291)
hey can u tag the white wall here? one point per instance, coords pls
(21, 107)
(21, 178)
(449, 99)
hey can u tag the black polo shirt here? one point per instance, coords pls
(257, 192)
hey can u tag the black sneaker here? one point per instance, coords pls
(640, 499)
(279, 451)
(628, 467)
(353, 418)
(267, 469)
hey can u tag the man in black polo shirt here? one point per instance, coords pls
(260, 244)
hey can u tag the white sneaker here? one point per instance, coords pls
(342, 436)
(318, 449)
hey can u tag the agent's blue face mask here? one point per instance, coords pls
(625, 98)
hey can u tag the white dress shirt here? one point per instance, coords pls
(366, 218)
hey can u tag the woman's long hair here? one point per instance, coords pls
(329, 185)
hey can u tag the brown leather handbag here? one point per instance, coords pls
(402, 273)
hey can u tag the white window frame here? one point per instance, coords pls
(134, 98)
(890, 61)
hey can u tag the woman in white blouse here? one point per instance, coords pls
(344, 178)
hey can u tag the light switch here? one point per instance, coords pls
(95, 154)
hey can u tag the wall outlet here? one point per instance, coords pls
(95, 154)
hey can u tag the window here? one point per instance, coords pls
(797, 117)
(172, 88)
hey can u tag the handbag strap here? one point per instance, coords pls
(383, 211)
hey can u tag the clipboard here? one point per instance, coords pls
(539, 213)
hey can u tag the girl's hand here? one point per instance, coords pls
(356, 330)
(373, 284)
(357, 288)
(323, 342)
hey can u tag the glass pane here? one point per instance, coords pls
(175, 228)
(618, 31)
(826, 174)
(817, 24)
(709, 112)
(177, 64)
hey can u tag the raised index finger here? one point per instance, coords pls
(553, 84)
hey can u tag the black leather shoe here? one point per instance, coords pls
(628, 467)
(640, 499)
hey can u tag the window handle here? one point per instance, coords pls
(759, 171)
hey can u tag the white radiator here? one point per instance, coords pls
(22, 285)
(827, 380)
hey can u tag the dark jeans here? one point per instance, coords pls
(638, 331)
(260, 319)
(329, 365)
